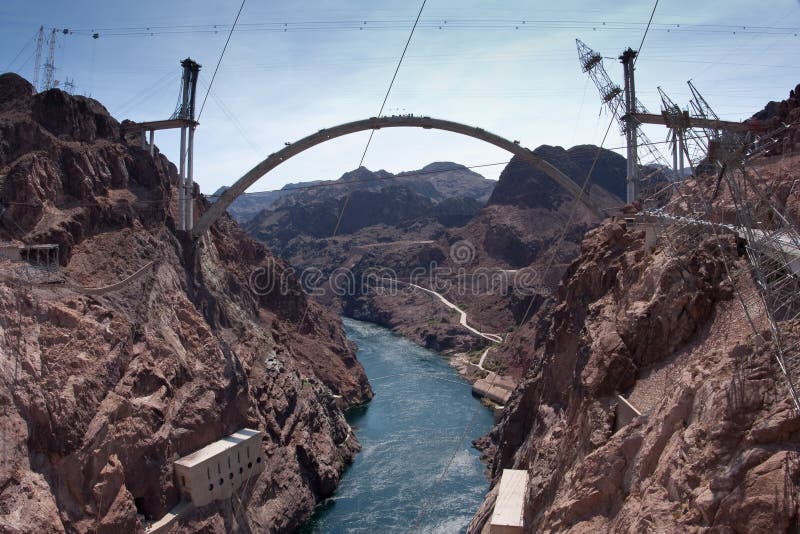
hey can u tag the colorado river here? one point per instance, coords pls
(422, 418)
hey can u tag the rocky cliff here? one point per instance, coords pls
(495, 266)
(777, 124)
(103, 389)
(716, 446)
(435, 183)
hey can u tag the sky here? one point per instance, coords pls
(293, 68)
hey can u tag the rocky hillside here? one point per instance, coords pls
(394, 206)
(435, 183)
(492, 266)
(102, 389)
(716, 446)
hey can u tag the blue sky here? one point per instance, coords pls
(485, 67)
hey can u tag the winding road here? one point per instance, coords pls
(494, 338)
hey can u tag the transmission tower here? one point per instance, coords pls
(38, 63)
(50, 66)
(592, 64)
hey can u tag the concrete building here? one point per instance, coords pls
(496, 388)
(40, 255)
(509, 505)
(220, 468)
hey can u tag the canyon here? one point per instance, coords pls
(141, 345)
(101, 392)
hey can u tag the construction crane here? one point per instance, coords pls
(769, 290)
(625, 108)
(689, 132)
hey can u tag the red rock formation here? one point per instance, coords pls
(779, 121)
(101, 393)
(716, 448)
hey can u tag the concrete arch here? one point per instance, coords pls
(376, 123)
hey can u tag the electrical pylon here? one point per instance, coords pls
(38, 63)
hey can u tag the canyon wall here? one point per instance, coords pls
(716, 446)
(102, 391)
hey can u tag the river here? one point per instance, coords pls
(422, 418)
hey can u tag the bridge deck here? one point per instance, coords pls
(376, 123)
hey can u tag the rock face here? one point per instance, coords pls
(777, 123)
(101, 392)
(391, 206)
(498, 266)
(476, 258)
(717, 445)
(526, 186)
(435, 183)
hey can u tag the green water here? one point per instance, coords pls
(421, 419)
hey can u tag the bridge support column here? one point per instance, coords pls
(189, 194)
(631, 125)
(182, 182)
(675, 152)
(152, 143)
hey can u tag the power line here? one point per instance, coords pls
(439, 23)
(372, 132)
(149, 91)
(219, 62)
(647, 28)
(380, 112)
(233, 120)
(21, 50)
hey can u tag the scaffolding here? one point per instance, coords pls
(683, 217)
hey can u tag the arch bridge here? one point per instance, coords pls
(216, 210)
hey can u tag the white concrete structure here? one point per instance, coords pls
(509, 505)
(626, 412)
(218, 469)
(496, 388)
(165, 523)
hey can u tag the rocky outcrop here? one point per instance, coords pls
(101, 392)
(436, 183)
(716, 447)
(526, 186)
(500, 265)
(777, 124)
